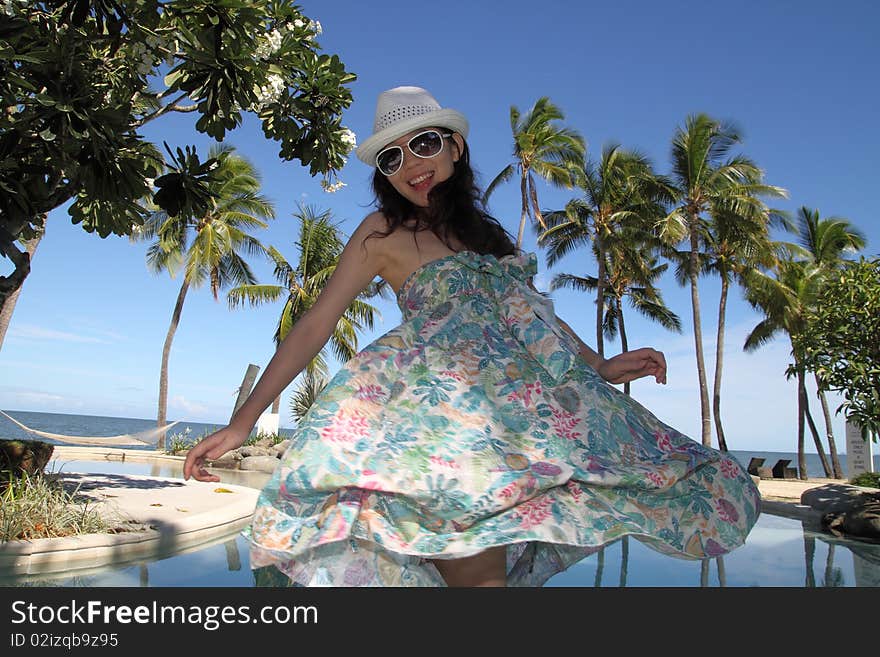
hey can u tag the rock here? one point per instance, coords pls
(24, 456)
(848, 510)
(228, 460)
(281, 447)
(261, 463)
(862, 521)
(254, 450)
(834, 497)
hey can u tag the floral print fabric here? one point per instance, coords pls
(474, 424)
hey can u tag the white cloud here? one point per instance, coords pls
(187, 408)
(31, 332)
(41, 400)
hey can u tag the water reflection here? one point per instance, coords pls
(779, 552)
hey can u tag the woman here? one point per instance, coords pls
(479, 443)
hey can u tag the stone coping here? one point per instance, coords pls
(169, 516)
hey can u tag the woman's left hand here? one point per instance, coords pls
(634, 364)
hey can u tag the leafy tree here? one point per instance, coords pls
(208, 247)
(79, 78)
(709, 181)
(841, 341)
(541, 145)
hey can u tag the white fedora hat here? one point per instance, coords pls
(402, 110)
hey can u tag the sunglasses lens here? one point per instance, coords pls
(389, 160)
(426, 144)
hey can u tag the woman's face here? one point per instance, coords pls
(418, 175)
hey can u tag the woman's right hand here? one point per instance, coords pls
(209, 449)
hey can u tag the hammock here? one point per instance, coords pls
(147, 437)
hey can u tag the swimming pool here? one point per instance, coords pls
(779, 552)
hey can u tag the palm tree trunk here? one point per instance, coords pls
(624, 560)
(9, 304)
(809, 556)
(704, 573)
(536, 209)
(705, 421)
(819, 448)
(832, 447)
(802, 460)
(600, 300)
(523, 188)
(166, 352)
(722, 574)
(719, 359)
(829, 566)
(600, 567)
(624, 342)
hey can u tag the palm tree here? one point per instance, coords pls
(621, 194)
(552, 151)
(784, 301)
(735, 244)
(320, 245)
(708, 182)
(630, 272)
(208, 248)
(305, 394)
(824, 243)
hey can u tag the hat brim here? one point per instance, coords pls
(443, 118)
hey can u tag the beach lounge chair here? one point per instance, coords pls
(782, 471)
(758, 469)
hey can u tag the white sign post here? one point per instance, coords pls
(859, 458)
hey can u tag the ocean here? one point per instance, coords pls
(96, 425)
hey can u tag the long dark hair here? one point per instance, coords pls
(455, 208)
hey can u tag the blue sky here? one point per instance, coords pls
(796, 77)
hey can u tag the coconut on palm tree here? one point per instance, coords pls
(320, 246)
(544, 147)
(708, 181)
(210, 248)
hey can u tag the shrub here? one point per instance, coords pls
(179, 442)
(867, 479)
(273, 438)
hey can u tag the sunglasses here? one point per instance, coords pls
(425, 145)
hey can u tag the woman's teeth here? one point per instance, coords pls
(420, 179)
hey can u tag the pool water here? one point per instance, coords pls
(779, 552)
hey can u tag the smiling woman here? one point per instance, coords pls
(479, 443)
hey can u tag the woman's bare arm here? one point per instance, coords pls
(358, 266)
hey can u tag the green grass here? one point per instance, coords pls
(38, 506)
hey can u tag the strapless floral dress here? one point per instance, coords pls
(473, 424)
